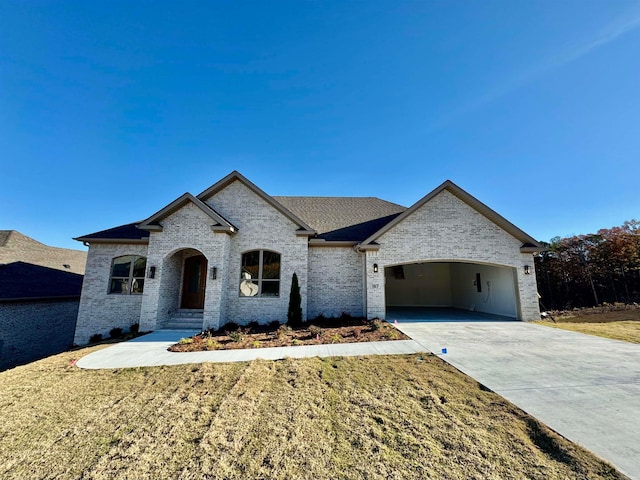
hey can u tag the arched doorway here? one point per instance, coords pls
(194, 279)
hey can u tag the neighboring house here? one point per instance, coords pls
(39, 297)
(229, 253)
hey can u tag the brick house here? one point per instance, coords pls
(39, 298)
(229, 253)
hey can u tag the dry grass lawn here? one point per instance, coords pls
(620, 325)
(394, 417)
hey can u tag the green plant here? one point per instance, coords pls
(115, 333)
(295, 341)
(253, 325)
(134, 328)
(393, 334)
(236, 335)
(336, 338)
(96, 337)
(185, 341)
(376, 324)
(212, 344)
(256, 344)
(294, 314)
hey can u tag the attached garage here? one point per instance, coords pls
(460, 285)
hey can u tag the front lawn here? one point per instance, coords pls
(616, 322)
(378, 417)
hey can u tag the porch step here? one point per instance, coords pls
(189, 313)
(184, 323)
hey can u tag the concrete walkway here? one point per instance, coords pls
(151, 350)
(586, 388)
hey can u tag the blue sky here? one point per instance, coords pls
(110, 110)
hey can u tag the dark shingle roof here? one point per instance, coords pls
(334, 218)
(129, 231)
(20, 280)
(343, 218)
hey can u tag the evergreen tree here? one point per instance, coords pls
(294, 315)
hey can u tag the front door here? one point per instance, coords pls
(194, 280)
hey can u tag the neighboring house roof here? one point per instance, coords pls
(221, 225)
(16, 247)
(24, 281)
(30, 269)
(342, 218)
(529, 243)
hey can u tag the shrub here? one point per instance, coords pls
(315, 331)
(115, 333)
(256, 344)
(294, 314)
(229, 326)
(236, 335)
(283, 331)
(135, 328)
(185, 341)
(95, 338)
(344, 316)
(337, 338)
(376, 325)
(274, 325)
(212, 344)
(253, 325)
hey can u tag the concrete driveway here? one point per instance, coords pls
(584, 387)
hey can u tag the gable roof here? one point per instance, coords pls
(529, 243)
(129, 233)
(303, 228)
(342, 218)
(221, 225)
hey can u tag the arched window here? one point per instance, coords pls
(260, 274)
(127, 274)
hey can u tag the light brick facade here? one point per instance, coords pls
(446, 229)
(336, 282)
(333, 279)
(99, 312)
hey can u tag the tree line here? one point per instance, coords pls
(588, 270)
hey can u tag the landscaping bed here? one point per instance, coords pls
(320, 331)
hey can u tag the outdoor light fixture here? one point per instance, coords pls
(152, 272)
(375, 268)
(214, 273)
(527, 270)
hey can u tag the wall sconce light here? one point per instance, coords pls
(152, 272)
(375, 268)
(527, 270)
(214, 273)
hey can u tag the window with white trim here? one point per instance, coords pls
(260, 274)
(127, 275)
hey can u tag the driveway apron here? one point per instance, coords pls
(584, 387)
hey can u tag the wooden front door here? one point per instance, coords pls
(193, 282)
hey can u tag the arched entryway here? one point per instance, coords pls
(183, 289)
(451, 290)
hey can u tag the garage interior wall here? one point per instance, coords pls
(453, 284)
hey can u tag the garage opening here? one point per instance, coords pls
(451, 291)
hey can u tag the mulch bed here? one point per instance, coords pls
(317, 332)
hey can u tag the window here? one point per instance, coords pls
(260, 274)
(127, 274)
